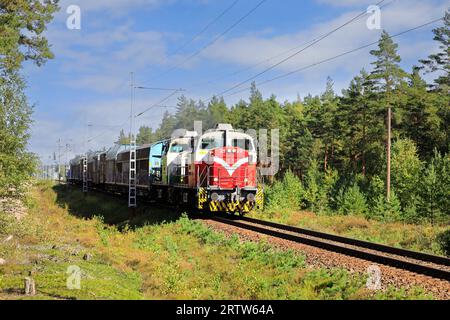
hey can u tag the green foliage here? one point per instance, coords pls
(444, 242)
(406, 169)
(145, 136)
(16, 164)
(440, 61)
(288, 193)
(22, 24)
(435, 190)
(352, 201)
(319, 188)
(387, 210)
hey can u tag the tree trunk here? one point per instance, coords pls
(388, 154)
(363, 153)
(325, 162)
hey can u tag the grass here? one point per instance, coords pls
(408, 236)
(158, 255)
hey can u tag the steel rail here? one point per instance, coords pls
(360, 243)
(259, 227)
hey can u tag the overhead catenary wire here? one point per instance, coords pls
(239, 71)
(296, 53)
(159, 103)
(333, 58)
(209, 25)
(217, 38)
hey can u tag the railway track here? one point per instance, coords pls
(417, 262)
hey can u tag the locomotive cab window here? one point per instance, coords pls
(210, 143)
(179, 148)
(243, 144)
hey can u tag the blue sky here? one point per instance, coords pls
(88, 81)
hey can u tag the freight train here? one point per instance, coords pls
(214, 172)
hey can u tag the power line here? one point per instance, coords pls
(296, 53)
(160, 102)
(195, 54)
(335, 57)
(270, 58)
(207, 27)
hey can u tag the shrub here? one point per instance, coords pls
(377, 189)
(285, 194)
(406, 169)
(387, 210)
(352, 201)
(434, 201)
(294, 192)
(319, 188)
(444, 242)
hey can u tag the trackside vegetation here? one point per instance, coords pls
(335, 144)
(152, 257)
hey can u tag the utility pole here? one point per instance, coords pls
(132, 195)
(388, 153)
(59, 161)
(85, 163)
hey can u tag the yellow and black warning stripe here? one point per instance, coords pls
(230, 206)
(202, 198)
(259, 200)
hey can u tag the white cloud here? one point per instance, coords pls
(347, 3)
(395, 18)
(115, 6)
(107, 118)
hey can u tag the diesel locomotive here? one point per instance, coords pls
(213, 172)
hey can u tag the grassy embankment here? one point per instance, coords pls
(159, 255)
(418, 237)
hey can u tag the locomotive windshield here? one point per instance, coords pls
(243, 144)
(179, 148)
(212, 142)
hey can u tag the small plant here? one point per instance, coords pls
(387, 210)
(286, 194)
(443, 240)
(352, 201)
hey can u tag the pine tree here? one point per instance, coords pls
(123, 138)
(217, 112)
(145, 136)
(440, 62)
(166, 127)
(387, 76)
(22, 24)
(420, 117)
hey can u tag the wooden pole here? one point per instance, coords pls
(388, 154)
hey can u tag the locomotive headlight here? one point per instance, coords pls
(216, 179)
(251, 197)
(215, 196)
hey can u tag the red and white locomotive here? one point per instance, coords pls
(215, 172)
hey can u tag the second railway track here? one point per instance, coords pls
(417, 262)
